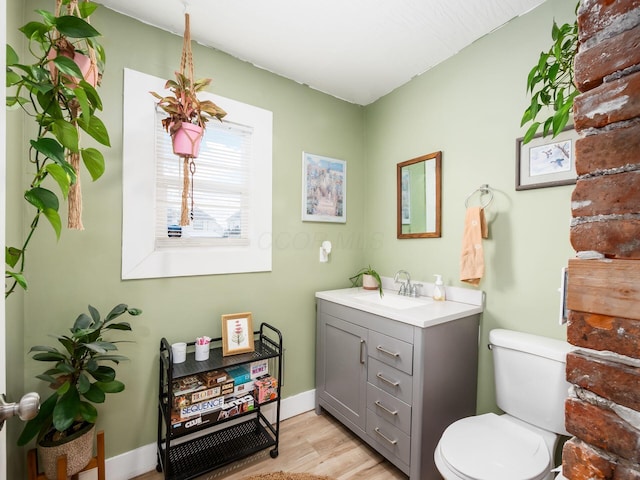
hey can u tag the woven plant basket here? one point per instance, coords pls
(77, 447)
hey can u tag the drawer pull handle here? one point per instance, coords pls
(386, 380)
(362, 344)
(392, 442)
(380, 348)
(390, 412)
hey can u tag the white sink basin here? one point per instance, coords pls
(393, 300)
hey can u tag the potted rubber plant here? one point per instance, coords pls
(81, 376)
(368, 278)
(57, 91)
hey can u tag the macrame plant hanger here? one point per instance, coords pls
(188, 164)
(74, 220)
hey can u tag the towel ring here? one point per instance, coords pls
(482, 190)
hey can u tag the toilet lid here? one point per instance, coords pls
(486, 447)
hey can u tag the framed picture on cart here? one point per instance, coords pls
(237, 333)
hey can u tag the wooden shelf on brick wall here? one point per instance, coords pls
(606, 287)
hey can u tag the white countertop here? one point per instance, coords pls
(421, 312)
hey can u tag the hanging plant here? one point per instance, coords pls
(58, 91)
(187, 117)
(550, 83)
(186, 110)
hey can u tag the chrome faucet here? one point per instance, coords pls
(405, 287)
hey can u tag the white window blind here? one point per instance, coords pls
(219, 188)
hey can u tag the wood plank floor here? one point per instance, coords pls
(311, 443)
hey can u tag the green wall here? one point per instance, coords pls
(84, 266)
(469, 107)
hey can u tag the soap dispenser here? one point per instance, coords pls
(438, 289)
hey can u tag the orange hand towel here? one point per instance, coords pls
(472, 258)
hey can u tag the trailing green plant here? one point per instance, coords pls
(551, 83)
(79, 377)
(356, 280)
(54, 94)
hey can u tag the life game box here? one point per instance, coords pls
(209, 412)
(242, 382)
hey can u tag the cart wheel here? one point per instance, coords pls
(274, 453)
(158, 468)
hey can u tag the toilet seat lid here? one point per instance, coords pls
(487, 447)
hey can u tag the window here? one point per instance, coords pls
(230, 231)
(220, 204)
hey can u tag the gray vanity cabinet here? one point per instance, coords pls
(395, 385)
(344, 372)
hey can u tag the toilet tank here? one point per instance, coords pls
(530, 377)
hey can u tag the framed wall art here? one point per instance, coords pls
(546, 161)
(324, 189)
(237, 333)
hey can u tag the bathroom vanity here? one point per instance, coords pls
(398, 370)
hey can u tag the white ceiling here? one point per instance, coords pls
(356, 50)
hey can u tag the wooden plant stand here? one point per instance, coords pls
(95, 462)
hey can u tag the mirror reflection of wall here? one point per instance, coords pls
(419, 197)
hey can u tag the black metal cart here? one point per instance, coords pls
(186, 453)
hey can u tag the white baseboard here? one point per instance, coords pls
(143, 459)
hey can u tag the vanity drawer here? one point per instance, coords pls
(390, 379)
(390, 438)
(389, 408)
(391, 351)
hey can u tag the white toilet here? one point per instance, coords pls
(531, 389)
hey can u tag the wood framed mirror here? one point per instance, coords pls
(419, 182)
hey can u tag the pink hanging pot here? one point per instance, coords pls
(88, 68)
(186, 139)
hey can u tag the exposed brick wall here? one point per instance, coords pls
(594, 464)
(614, 150)
(603, 410)
(602, 332)
(608, 379)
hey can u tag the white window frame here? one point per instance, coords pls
(140, 258)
